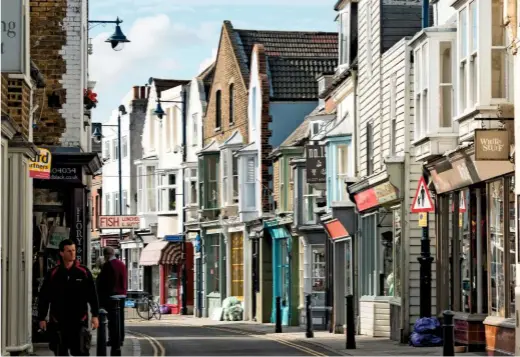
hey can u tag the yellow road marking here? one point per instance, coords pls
(158, 348)
(282, 341)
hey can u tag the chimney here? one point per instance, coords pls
(143, 92)
(324, 81)
(136, 92)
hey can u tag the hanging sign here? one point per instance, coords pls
(422, 202)
(315, 163)
(13, 36)
(492, 144)
(40, 167)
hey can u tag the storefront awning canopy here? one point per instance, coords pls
(161, 252)
(336, 230)
(278, 232)
(151, 254)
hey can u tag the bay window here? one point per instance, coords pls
(250, 183)
(208, 181)
(150, 189)
(168, 193)
(192, 186)
(229, 178)
(309, 197)
(342, 173)
(234, 185)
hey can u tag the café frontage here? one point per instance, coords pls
(475, 225)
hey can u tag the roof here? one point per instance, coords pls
(339, 78)
(302, 131)
(294, 58)
(165, 84)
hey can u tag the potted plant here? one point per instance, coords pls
(89, 99)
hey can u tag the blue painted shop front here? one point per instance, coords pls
(282, 256)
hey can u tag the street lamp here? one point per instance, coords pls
(159, 112)
(118, 38)
(97, 136)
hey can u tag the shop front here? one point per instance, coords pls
(377, 253)
(214, 265)
(475, 219)
(60, 211)
(284, 266)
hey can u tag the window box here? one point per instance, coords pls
(434, 61)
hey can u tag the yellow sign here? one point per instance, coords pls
(423, 219)
(40, 167)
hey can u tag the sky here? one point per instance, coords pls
(177, 39)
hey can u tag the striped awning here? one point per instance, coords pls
(152, 253)
(171, 254)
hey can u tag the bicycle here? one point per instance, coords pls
(147, 308)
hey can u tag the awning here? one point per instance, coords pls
(171, 254)
(278, 232)
(151, 254)
(336, 230)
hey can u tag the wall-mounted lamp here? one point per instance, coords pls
(118, 38)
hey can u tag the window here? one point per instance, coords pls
(218, 100)
(253, 108)
(368, 14)
(140, 184)
(392, 109)
(124, 146)
(108, 204)
(318, 274)
(231, 103)
(237, 265)
(195, 134)
(168, 193)
(498, 50)
(212, 187)
(234, 171)
(250, 183)
(116, 150)
(212, 250)
(512, 246)
(193, 186)
(344, 36)
(468, 57)
(309, 198)
(151, 189)
(370, 150)
(117, 209)
(125, 203)
(342, 152)
(225, 178)
(445, 86)
(106, 149)
(497, 248)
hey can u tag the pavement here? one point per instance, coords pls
(131, 347)
(187, 335)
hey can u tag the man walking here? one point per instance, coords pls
(112, 281)
(67, 290)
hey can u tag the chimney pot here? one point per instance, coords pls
(143, 92)
(136, 92)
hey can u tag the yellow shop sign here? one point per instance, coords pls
(40, 167)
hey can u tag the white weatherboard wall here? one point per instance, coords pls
(74, 80)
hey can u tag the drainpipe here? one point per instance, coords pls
(184, 282)
(425, 15)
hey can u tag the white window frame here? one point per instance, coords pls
(500, 48)
(163, 191)
(108, 204)
(249, 183)
(150, 188)
(116, 149)
(344, 36)
(140, 189)
(229, 173)
(107, 149)
(116, 203)
(124, 146)
(192, 179)
(342, 154)
(310, 194)
(125, 203)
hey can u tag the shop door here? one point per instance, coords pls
(173, 288)
(282, 285)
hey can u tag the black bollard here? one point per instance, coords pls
(350, 323)
(448, 347)
(278, 315)
(101, 346)
(122, 299)
(308, 314)
(115, 327)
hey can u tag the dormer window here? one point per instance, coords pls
(315, 128)
(344, 36)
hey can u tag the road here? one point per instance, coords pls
(172, 340)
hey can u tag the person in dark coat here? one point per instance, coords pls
(67, 291)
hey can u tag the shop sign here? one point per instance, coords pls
(491, 144)
(40, 167)
(66, 173)
(315, 163)
(376, 196)
(78, 232)
(175, 238)
(13, 36)
(119, 222)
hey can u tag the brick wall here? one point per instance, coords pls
(227, 71)
(4, 94)
(19, 103)
(57, 42)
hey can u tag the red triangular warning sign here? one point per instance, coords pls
(422, 202)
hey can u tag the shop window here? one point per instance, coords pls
(237, 265)
(172, 286)
(318, 274)
(156, 283)
(512, 245)
(497, 248)
(212, 248)
(393, 279)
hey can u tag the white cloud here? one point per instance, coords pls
(208, 61)
(168, 64)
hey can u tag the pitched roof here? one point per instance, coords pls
(165, 84)
(295, 58)
(302, 131)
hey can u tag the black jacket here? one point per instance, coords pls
(68, 291)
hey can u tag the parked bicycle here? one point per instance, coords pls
(147, 308)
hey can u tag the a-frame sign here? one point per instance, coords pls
(422, 202)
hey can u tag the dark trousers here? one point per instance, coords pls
(110, 306)
(73, 338)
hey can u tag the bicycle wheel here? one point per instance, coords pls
(147, 312)
(156, 311)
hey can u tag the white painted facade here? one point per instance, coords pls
(75, 79)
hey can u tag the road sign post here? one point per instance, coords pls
(423, 204)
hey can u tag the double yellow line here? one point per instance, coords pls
(158, 348)
(279, 340)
